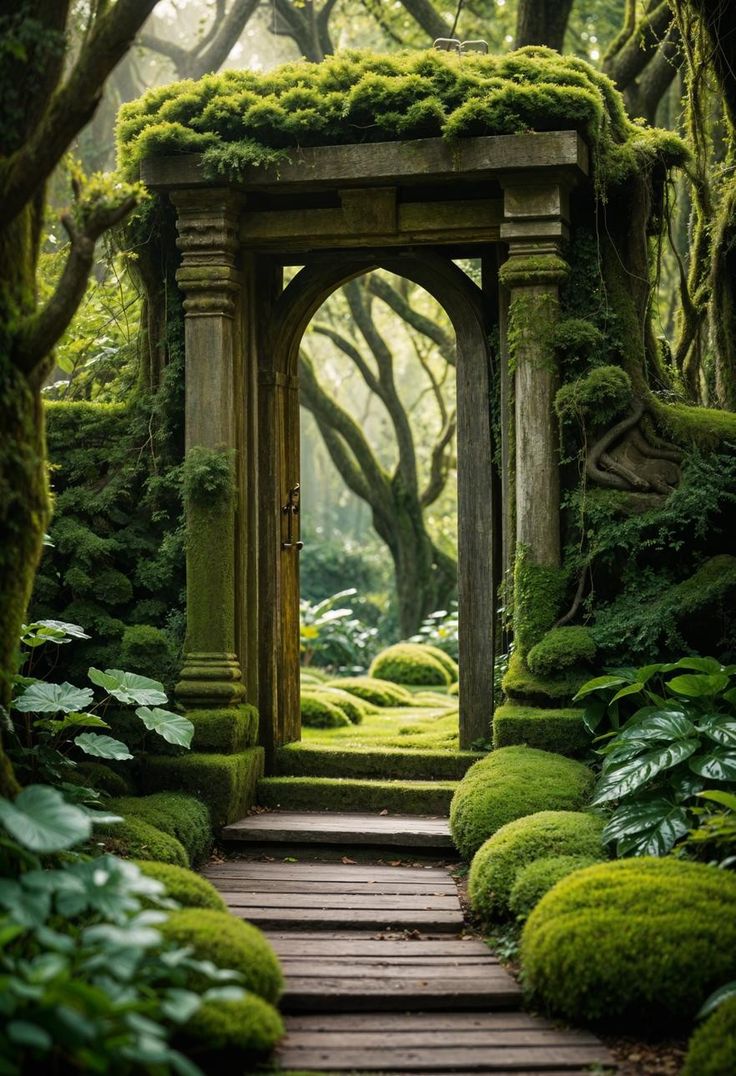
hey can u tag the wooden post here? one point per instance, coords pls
(210, 281)
(535, 224)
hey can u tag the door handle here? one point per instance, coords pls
(291, 511)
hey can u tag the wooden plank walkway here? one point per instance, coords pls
(346, 830)
(381, 974)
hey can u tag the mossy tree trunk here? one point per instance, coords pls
(42, 109)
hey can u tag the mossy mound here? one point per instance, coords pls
(521, 685)
(512, 783)
(241, 117)
(497, 863)
(712, 1049)
(354, 709)
(134, 838)
(249, 1027)
(319, 713)
(229, 943)
(596, 399)
(561, 649)
(630, 943)
(454, 689)
(539, 876)
(184, 886)
(561, 730)
(412, 663)
(375, 691)
(181, 816)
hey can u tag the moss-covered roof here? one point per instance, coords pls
(241, 118)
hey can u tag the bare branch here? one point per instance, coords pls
(425, 15)
(440, 464)
(631, 54)
(392, 298)
(180, 57)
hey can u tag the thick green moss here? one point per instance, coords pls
(520, 685)
(339, 793)
(184, 886)
(630, 943)
(378, 692)
(225, 783)
(712, 1049)
(497, 863)
(512, 783)
(225, 731)
(318, 712)
(596, 399)
(316, 760)
(539, 876)
(101, 777)
(224, 1032)
(181, 816)
(229, 943)
(354, 709)
(561, 649)
(705, 427)
(134, 838)
(562, 731)
(413, 663)
(538, 593)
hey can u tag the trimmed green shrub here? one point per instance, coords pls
(509, 784)
(101, 777)
(454, 689)
(632, 942)
(226, 783)
(148, 651)
(446, 660)
(229, 943)
(355, 709)
(378, 692)
(225, 731)
(562, 731)
(411, 663)
(184, 886)
(712, 1049)
(319, 713)
(539, 876)
(181, 816)
(561, 649)
(249, 1026)
(497, 863)
(134, 838)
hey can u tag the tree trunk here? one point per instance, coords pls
(542, 22)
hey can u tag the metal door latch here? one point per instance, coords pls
(291, 511)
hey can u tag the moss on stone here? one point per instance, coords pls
(561, 649)
(135, 838)
(222, 1033)
(541, 875)
(413, 663)
(184, 886)
(561, 730)
(225, 731)
(712, 1048)
(317, 760)
(344, 793)
(520, 686)
(225, 783)
(538, 593)
(181, 816)
(509, 784)
(636, 942)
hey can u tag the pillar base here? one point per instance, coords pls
(209, 680)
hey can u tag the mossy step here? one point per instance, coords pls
(560, 730)
(314, 760)
(349, 794)
(521, 686)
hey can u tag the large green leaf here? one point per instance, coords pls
(649, 828)
(717, 765)
(720, 728)
(658, 725)
(102, 746)
(173, 727)
(40, 819)
(129, 687)
(43, 698)
(702, 665)
(698, 686)
(599, 683)
(726, 799)
(640, 770)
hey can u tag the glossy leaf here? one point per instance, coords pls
(698, 686)
(172, 727)
(718, 765)
(651, 827)
(43, 698)
(129, 687)
(640, 770)
(599, 683)
(630, 689)
(102, 746)
(726, 799)
(702, 665)
(720, 728)
(41, 820)
(658, 725)
(723, 993)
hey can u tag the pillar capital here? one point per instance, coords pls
(207, 226)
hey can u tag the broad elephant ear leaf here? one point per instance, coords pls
(650, 828)
(699, 685)
(129, 687)
(43, 698)
(720, 728)
(638, 771)
(102, 746)
(172, 727)
(41, 820)
(717, 765)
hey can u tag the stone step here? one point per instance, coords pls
(314, 760)
(354, 794)
(311, 830)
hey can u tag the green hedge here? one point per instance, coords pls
(509, 784)
(229, 943)
(134, 838)
(633, 942)
(181, 816)
(539, 876)
(319, 713)
(413, 663)
(496, 865)
(229, 1032)
(184, 886)
(225, 783)
(371, 689)
(562, 731)
(560, 650)
(712, 1049)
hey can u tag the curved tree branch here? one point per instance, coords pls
(632, 51)
(440, 464)
(381, 288)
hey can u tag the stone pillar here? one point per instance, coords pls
(211, 285)
(535, 226)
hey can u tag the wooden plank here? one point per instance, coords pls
(390, 1022)
(378, 901)
(461, 1059)
(315, 918)
(421, 160)
(387, 948)
(270, 885)
(309, 962)
(509, 1037)
(421, 973)
(338, 872)
(470, 990)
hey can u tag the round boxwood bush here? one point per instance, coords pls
(561, 649)
(184, 886)
(539, 876)
(353, 708)
(182, 816)
(410, 663)
(249, 1026)
(510, 783)
(632, 942)
(376, 691)
(319, 713)
(497, 863)
(712, 1049)
(229, 943)
(454, 689)
(134, 838)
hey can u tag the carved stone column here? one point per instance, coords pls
(211, 284)
(535, 226)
